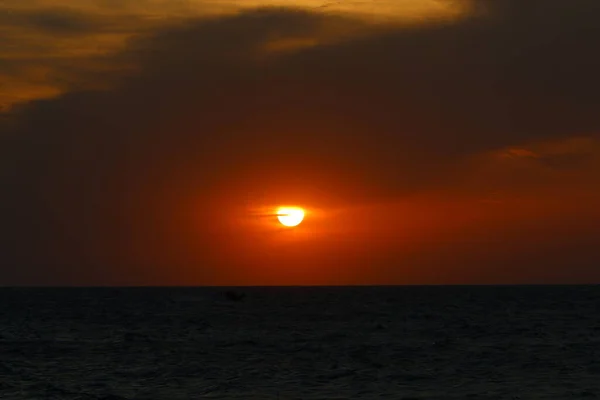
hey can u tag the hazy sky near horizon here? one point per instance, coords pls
(434, 141)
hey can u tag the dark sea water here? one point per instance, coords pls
(511, 342)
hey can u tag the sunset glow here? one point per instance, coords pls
(299, 142)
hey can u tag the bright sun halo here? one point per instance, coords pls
(290, 216)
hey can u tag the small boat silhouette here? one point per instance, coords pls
(234, 296)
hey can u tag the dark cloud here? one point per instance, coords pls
(212, 117)
(65, 21)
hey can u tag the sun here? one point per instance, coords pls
(290, 216)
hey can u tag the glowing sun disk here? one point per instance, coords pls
(290, 216)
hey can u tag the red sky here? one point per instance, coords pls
(430, 143)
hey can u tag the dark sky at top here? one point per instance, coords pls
(445, 150)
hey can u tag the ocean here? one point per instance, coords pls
(385, 342)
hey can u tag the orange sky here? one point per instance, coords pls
(430, 142)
